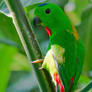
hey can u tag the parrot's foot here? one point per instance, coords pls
(38, 61)
(41, 68)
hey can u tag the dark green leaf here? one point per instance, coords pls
(8, 29)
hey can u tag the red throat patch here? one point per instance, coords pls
(48, 31)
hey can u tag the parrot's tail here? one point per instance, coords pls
(58, 81)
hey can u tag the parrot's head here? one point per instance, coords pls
(50, 16)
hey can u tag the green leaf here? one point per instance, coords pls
(5, 63)
(61, 3)
(7, 29)
(80, 5)
(25, 3)
(83, 80)
(85, 31)
(3, 7)
(88, 87)
(31, 2)
(20, 63)
(10, 60)
(84, 84)
(1, 1)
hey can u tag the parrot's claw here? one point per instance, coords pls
(38, 61)
(41, 68)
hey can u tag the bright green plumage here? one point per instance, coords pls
(63, 36)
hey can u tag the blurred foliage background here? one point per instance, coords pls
(15, 72)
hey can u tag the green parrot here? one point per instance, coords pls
(65, 55)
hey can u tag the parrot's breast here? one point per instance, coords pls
(53, 57)
(49, 64)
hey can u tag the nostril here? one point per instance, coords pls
(36, 21)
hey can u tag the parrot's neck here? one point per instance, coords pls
(58, 29)
(53, 31)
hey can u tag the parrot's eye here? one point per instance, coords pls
(47, 11)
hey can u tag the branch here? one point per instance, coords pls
(28, 40)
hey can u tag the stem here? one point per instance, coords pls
(87, 88)
(28, 40)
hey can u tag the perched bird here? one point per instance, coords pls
(65, 55)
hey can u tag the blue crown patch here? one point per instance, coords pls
(42, 4)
